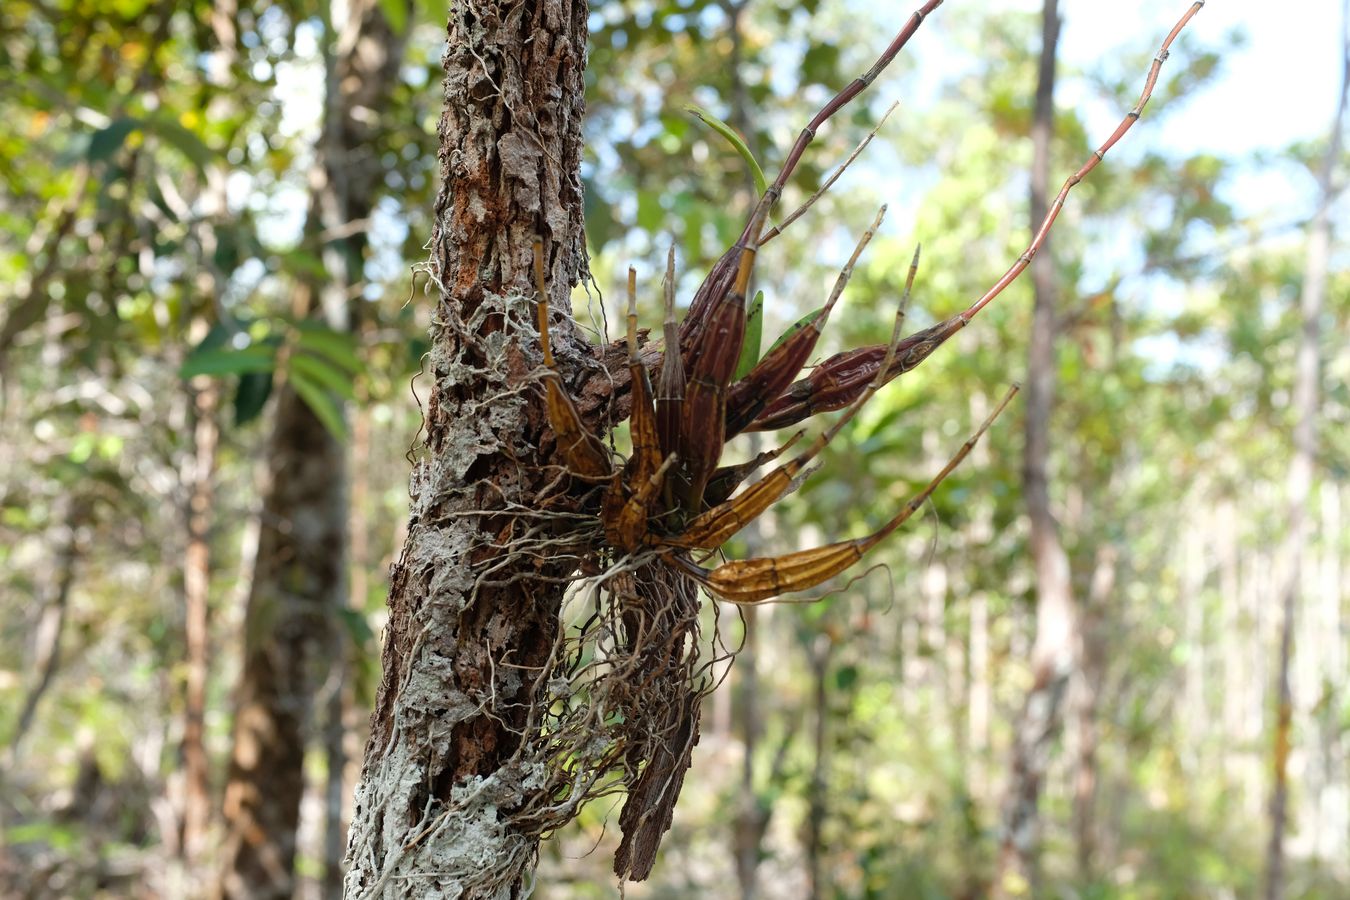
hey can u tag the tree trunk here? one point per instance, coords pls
(1092, 673)
(751, 819)
(298, 578)
(342, 730)
(1305, 402)
(818, 654)
(499, 711)
(300, 574)
(204, 399)
(71, 517)
(1330, 817)
(444, 771)
(1053, 651)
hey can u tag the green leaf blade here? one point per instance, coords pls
(800, 325)
(320, 402)
(729, 134)
(229, 361)
(754, 334)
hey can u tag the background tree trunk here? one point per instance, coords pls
(1053, 651)
(199, 464)
(300, 574)
(71, 517)
(1307, 377)
(200, 480)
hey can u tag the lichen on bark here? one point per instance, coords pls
(524, 673)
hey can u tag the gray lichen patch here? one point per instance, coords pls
(477, 379)
(463, 847)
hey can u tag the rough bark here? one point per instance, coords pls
(300, 573)
(1053, 651)
(440, 769)
(1307, 378)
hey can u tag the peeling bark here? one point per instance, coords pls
(440, 768)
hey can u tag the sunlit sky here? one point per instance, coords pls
(1280, 87)
(1276, 88)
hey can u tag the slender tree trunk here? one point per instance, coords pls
(437, 806)
(819, 654)
(981, 692)
(1331, 817)
(196, 601)
(299, 580)
(340, 729)
(1053, 651)
(71, 517)
(335, 754)
(979, 704)
(1092, 673)
(750, 819)
(1307, 377)
(30, 304)
(199, 465)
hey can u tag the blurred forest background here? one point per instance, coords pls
(211, 220)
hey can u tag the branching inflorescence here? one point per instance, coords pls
(649, 522)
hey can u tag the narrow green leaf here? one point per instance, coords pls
(396, 11)
(228, 361)
(337, 347)
(300, 262)
(320, 402)
(356, 626)
(804, 322)
(649, 212)
(107, 141)
(251, 396)
(217, 338)
(734, 139)
(157, 198)
(754, 334)
(316, 370)
(183, 140)
(845, 677)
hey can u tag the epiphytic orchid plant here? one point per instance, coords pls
(670, 498)
(618, 700)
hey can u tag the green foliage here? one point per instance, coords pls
(737, 143)
(754, 335)
(319, 363)
(119, 283)
(800, 325)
